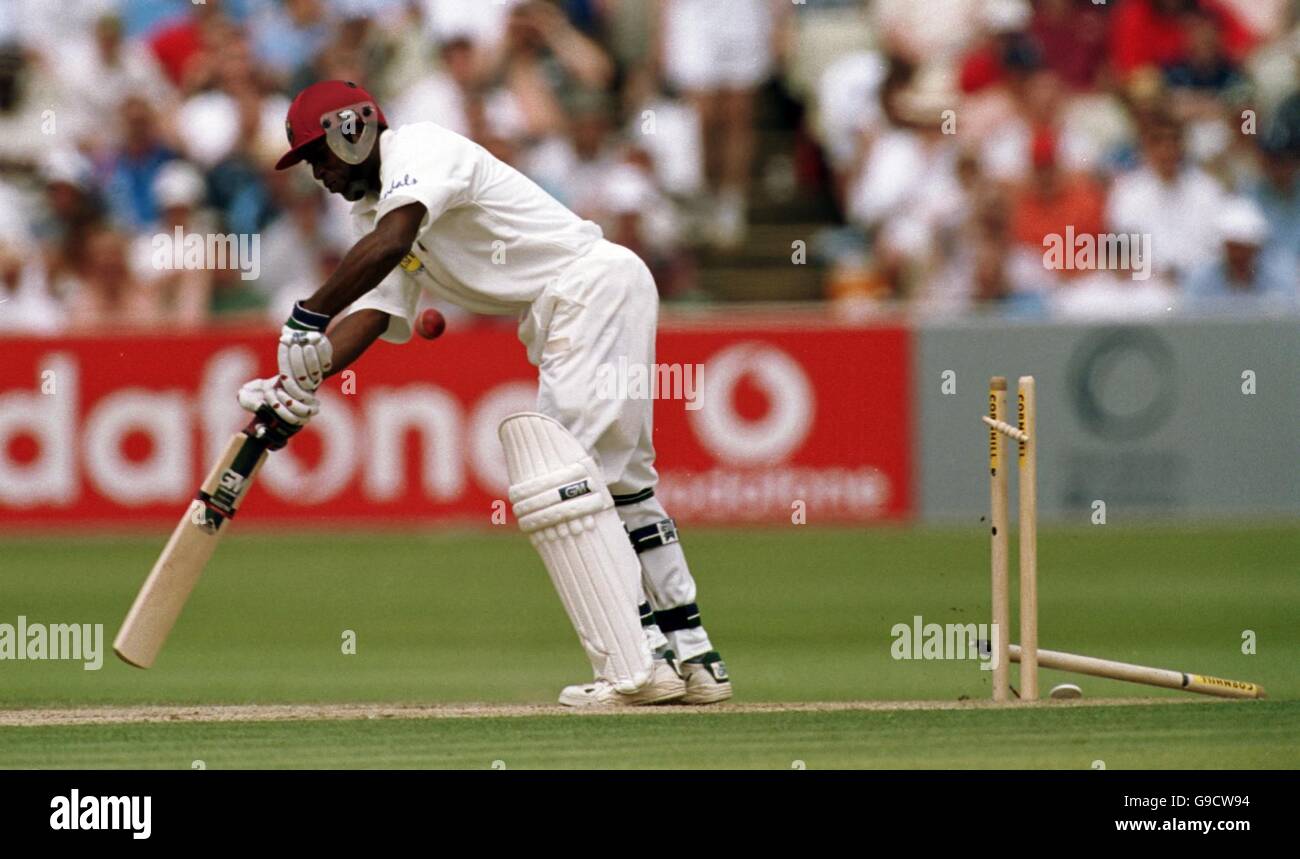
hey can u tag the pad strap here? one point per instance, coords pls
(683, 617)
(654, 535)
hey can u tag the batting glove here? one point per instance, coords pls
(305, 355)
(273, 394)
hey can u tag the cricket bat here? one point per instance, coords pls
(183, 559)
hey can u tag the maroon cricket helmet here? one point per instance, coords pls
(343, 113)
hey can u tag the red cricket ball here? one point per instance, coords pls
(431, 324)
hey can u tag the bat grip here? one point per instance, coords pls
(268, 428)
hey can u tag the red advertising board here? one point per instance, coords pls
(790, 423)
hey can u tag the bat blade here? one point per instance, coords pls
(166, 591)
(183, 559)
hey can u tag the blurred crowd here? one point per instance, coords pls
(943, 144)
(1008, 147)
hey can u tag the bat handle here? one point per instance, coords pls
(270, 429)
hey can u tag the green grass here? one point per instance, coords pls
(1203, 736)
(801, 614)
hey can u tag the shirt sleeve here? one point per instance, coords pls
(427, 165)
(397, 295)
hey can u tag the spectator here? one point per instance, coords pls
(1124, 290)
(904, 195)
(574, 167)
(104, 70)
(228, 131)
(133, 169)
(72, 210)
(668, 129)
(1167, 199)
(646, 221)
(849, 111)
(183, 294)
(188, 47)
(450, 95)
(1205, 67)
(718, 52)
(1245, 273)
(1011, 94)
(27, 122)
(306, 238)
(906, 186)
(358, 50)
(438, 95)
(1037, 104)
(1154, 32)
(405, 40)
(544, 62)
(1053, 201)
(990, 273)
(1072, 37)
(105, 294)
(1120, 117)
(1277, 192)
(26, 306)
(607, 181)
(1004, 47)
(287, 37)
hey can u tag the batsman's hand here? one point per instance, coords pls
(273, 394)
(305, 354)
(304, 359)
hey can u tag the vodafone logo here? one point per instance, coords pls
(137, 446)
(125, 437)
(739, 440)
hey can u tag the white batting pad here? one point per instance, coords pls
(563, 505)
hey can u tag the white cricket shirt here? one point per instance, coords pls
(491, 239)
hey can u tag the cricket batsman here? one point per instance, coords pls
(435, 211)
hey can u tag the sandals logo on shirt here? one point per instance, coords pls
(410, 264)
(405, 182)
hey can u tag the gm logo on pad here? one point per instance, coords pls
(573, 490)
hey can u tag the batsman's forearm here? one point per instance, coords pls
(353, 335)
(368, 262)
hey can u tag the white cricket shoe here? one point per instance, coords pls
(706, 679)
(663, 687)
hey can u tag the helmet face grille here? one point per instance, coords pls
(350, 132)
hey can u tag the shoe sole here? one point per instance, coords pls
(713, 694)
(669, 697)
(666, 697)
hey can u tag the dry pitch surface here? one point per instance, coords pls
(319, 712)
